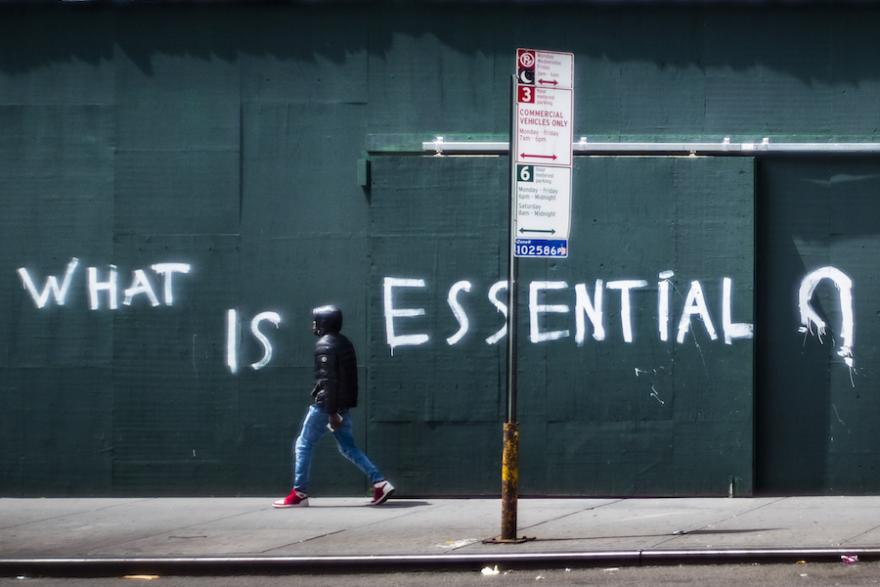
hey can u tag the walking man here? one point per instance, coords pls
(335, 393)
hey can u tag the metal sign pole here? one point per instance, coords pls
(510, 454)
(512, 266)
(539, 174)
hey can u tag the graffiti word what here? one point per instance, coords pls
(104, 284)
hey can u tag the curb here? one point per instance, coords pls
(231, 565)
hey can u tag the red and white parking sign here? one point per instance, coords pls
(547, 69)
(541, 148)
(543, 125)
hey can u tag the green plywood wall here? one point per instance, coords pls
(603, 417)
(817, 416)
(227, 138)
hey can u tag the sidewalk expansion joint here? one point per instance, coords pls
(859, 535)
(680, 533)
(304, 540)
(575, 513)
(139, 538)
(77, 513)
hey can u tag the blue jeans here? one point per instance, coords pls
(313, 428)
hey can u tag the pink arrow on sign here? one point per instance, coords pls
(524, 155)
(548, 82)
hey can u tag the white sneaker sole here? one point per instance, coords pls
(282, 506)
(383, 499)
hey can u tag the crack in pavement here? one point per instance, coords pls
(341, 530)
(309, 539)
(79, 513)
(568, 515)
(716, 522)
(167, 530)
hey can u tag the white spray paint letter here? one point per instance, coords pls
(140, 285)
(501, 307)
(51, 288)
(96, 286)
(695, 303)
(625, 314)
(168, 270)
(732, 330)
(663, 304)
(232, 340)
(395, 340)
(458, 311)
(592, 308)
(274, 318)
(809, 316)
(535, 309)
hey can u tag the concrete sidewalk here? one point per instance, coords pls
(428, 532)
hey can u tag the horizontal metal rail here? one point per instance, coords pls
(583, 147)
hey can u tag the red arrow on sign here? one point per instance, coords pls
(548, 82)
(524, 155)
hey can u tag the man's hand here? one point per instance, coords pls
(335, 422)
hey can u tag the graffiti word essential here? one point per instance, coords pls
(589, 307)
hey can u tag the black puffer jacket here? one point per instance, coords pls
(336, 384)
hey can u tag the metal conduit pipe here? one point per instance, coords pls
(583, 147)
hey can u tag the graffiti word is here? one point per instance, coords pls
(233, 338)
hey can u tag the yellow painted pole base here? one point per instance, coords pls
(509, 481)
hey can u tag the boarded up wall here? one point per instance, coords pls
(606, 417)
(227, 139)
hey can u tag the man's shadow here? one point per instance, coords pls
(393, 505)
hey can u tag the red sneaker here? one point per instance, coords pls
(295, 499)
(381, 492)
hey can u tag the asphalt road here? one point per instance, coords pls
(825, 574)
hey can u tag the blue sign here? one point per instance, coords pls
(535, 247)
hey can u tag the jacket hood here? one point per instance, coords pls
(327, 319)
